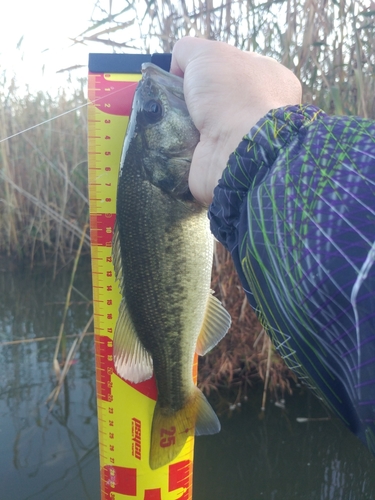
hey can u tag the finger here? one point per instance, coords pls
(205, 171)
(185, 50)
(198, 177)
(179, 60)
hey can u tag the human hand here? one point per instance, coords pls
(226, 91)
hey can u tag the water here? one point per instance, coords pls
(54, 455)
(277, 458)
(45, 455)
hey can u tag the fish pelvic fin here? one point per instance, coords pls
(132, 361)
(116, 254)
(170, 430)
(216, 324)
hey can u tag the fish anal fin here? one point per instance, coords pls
(132, 361)
(170, 430)
(216, 324)
(207, 421)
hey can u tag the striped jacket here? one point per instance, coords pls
(296, 208)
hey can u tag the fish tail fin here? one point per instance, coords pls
(170, 430)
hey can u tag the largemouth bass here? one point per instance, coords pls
(162, 254)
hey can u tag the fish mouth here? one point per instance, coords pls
(162, 77)
(172, 85)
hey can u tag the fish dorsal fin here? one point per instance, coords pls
(132, 361)
(215, 325)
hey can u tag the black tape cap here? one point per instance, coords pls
(162, 60)
(126, 63)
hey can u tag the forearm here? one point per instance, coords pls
(296, 208)
(292, 158)
(273, 142)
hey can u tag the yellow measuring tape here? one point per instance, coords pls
(124, 410)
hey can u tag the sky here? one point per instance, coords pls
(46, 27)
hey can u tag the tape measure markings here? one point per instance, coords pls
(124, 410)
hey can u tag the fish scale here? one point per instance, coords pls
(163, 254)
(147, 265)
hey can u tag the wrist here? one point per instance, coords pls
(271, 143)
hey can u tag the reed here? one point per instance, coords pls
(61, 342)
(43, 175)
(328, 44)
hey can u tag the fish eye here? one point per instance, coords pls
(153, 111)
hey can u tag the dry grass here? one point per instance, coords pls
(328, 44)
(43, 176)
(245, 355)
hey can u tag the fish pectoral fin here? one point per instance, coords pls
(132, 361)
(170, 430)
(216, 323)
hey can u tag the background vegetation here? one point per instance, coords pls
(43, 175)
(329, 44)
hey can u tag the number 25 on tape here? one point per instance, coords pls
(167, 437)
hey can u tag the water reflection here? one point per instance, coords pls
(45, 455)
(277, 458)
(54, 456)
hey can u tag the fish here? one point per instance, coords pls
(162, 254)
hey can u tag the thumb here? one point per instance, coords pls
(205, 171)
(186, 50)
